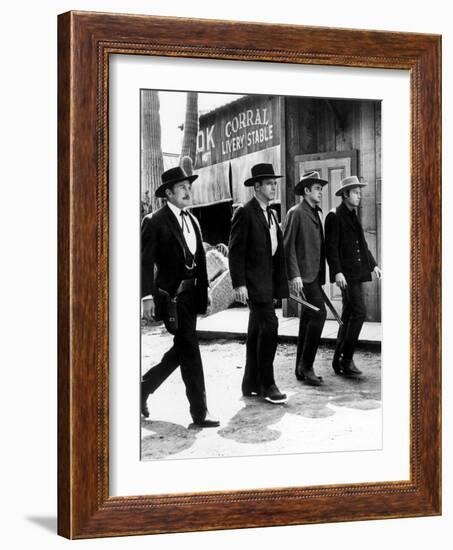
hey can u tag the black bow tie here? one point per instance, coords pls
(183, 215)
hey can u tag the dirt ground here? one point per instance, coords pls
(344, 414)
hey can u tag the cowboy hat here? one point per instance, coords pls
(259, 172)
(307, 179)
(170, 177)
(349, 183)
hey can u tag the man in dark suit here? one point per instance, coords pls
(306, 261)
(175, 289)
(350, 264)
(258, 273)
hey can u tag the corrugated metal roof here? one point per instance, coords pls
(206, 112)
(170, 160)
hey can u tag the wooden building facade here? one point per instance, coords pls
(231, 139)
(336, 137)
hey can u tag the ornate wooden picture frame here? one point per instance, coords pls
(85, 508)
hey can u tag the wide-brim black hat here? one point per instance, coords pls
(260, 172)
(307, 179)
(170, 177)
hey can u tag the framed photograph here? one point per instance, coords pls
(181, 143)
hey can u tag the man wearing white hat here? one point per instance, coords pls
(350, 264)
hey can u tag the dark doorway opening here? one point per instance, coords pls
(215, 221)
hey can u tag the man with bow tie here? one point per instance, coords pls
(175, 289)
(258, 273)
(306, 265)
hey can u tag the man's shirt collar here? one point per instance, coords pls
(315, 208)
(176, 211)
(263, 205)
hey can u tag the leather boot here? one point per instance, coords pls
(307, 375)
(144, 394)
(350, 368)
(336, 363)
(249, 389)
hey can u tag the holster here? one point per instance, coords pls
(166, 310)
(186, 284)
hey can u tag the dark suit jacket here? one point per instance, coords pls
(346, 248)
(163, 256)
(304, 244)
(250, 255)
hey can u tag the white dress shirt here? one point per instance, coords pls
(273, 225)
(188, 230)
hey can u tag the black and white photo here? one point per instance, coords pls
(260, 221)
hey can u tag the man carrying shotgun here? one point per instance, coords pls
(305, 262)
(350, 264)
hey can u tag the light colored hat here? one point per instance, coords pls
(349, 183)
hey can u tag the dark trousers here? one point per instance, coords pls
(185, 353)
(310, 326)
(353, 316)
(262, 336)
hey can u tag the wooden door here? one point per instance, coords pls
(332, 167)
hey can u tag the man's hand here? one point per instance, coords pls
(378, 272)
(148, 309)
(241, 295)
(296, 285)
(340, 280)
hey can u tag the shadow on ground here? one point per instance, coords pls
(156, 445)
(251, 424)
(360, 393)
(251, 420)
(339, 391)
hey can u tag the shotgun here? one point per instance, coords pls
(332, 309)
(303, 302)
